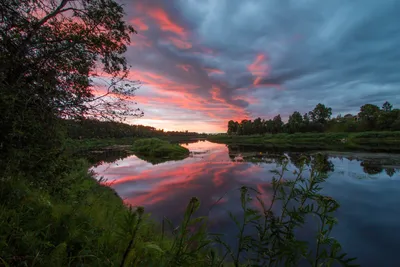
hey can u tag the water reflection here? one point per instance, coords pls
(366, 185)
(99, 157)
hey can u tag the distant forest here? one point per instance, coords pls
(91, 128)
(370, 118)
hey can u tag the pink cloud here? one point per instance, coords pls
(139, 24)
(259, 68)
(165, 23)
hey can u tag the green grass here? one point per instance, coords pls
(94, 143)
(77, 221)
(159, 150)
(372, 141)
(86, 144)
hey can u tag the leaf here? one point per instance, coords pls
(197, 220)
(234, 219)
(152, 246)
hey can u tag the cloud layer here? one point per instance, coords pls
(203, 63)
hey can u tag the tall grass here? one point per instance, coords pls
(83, 223)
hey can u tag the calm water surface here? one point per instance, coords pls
(366, 185)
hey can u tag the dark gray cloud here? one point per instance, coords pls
(339, 52)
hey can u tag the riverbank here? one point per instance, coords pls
(73, 221)
(366, 141)
(153, 150)
(95, 143)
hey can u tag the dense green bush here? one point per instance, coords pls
(154, 147)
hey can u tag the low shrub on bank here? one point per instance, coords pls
(154, 147)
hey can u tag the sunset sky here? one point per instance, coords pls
(204, 62)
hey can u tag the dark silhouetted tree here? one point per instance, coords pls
(277, 124)
(387, 107)
(232, 127)
(320, 114)
(257, 125)
(295, 122)
(368, 115)
(53, 54)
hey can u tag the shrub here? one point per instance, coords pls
(154, 147)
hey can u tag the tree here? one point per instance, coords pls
(295, 122)
(368, 112)
(387, 107)
(320, 114)
(257, 125)
(277, 124)
(60, 48)
(368, 115)
(306, 122)
(386, 119)
(52, 55)
(232, 127)
(247, 127)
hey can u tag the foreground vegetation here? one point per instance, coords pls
(77, 221)
(371, 141)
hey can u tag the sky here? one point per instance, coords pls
(202, 63)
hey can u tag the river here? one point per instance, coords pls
(367, 186)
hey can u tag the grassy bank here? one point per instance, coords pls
(371, 141)
(74, 222)
(156, 150)
(94, 143)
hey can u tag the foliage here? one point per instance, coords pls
(79, 221)
(154, 148)
(72, 223)
(369, 114)
(96, 129)
(387, 107)
(275, 242)
(319, 119)
(51, 56)
(57, 48)
(295, 123)
(320, 114)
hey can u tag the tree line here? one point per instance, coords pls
(92, 128)
(369, 118)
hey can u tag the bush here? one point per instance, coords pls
(154, 147)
